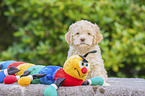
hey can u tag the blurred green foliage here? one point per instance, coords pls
(40, 26)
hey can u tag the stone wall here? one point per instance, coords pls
(118, 87)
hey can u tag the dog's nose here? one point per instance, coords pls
(82, 39)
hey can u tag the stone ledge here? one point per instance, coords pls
(119, 87)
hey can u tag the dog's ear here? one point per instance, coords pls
(68, 38)
(98, 37)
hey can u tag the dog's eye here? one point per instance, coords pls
(77, 33)
(89, 33)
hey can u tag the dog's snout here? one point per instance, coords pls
(82, 39)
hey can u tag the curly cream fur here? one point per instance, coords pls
(83, 29)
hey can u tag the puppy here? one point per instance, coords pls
(83, 36)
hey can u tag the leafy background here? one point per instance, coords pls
(33, 31)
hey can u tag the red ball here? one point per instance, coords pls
(10, 79)
(15, 64)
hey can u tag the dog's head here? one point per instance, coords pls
(83, 34)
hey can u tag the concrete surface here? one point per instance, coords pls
(119, 87)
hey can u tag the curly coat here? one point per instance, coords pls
(83, 36)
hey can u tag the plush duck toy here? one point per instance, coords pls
(73, 73)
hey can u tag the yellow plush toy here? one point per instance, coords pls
(75, 67)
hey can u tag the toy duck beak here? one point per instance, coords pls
(84, 70)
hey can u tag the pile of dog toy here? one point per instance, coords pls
(73, 73)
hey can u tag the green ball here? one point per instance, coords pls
(50, 91)
(97, 81)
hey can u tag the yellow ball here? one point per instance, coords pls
(24, 81)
